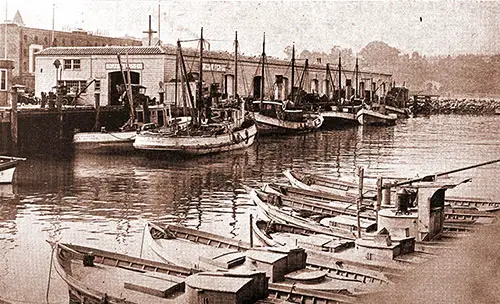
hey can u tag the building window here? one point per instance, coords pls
(36, 39)
(25, 66)
(97, 86)
(3, 80)
(46, 40)
(71, 64)
(64, 42)
(25, 38)
(74, 86)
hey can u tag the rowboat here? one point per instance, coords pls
(367, 117)
(104, 142)
(8, 167)
(285, 267)
(96, 276)
(323, 184)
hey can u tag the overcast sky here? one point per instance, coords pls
(428, 27)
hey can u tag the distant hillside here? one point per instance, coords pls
(462, 75)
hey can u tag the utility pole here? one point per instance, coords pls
(150, 32)
(53, 24)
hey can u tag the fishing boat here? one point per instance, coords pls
(98, 276)
(335, 186)
(375, 116)
(211, 129)
(343, 113)
(285, 266)
(282, 116)
(8, 166)
(120, 141)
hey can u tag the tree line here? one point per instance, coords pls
(466, 75)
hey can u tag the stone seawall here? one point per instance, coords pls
(455, 106)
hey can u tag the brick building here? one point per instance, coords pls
(155, 68)
(22, 42)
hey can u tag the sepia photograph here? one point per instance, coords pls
(238, 152)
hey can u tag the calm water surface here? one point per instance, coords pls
(105, 202)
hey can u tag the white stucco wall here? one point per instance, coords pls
(149, 67)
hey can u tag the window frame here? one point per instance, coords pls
(3, 80)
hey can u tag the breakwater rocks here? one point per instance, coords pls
(455, 106)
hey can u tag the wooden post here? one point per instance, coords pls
(361, 174)
(13, 120)
(251, 231)
(379, 198)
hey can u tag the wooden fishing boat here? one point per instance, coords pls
(323, 184)
(8, 166)
(285, 267)
(211, 129)
(340, 116)
(369, 117)
(98, 276)
(104, 141)
(206, 139)
(323, 250)
(272, 118)
(282, 116)
(271, 206)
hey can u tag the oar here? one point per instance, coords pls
(431, 177)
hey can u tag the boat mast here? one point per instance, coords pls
(262, 72)
(293, 72)
(340, 78)
(200, 78)
(235, 83)
(356, 75)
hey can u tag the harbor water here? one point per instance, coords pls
(105, 201)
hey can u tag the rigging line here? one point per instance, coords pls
(189, 40)
(244, 80)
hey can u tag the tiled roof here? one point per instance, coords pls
(104, 50)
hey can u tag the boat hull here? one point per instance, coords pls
(272, 125)
(104, 142)
(196, 145)
(372, 118)
(8, 168)
(334, 119)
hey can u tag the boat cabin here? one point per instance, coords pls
(278, 109)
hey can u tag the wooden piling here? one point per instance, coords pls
(14, 120)
(360, 199)
(251, 230)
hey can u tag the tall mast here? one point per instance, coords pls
(262, 72)
(235, 84)
(293, 72)
(356, 74)
(340, 78)
(200, 78)
(159, 23)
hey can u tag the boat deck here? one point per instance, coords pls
(134, 286)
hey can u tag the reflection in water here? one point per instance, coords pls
(105, 201)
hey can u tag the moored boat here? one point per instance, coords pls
(96, 276)
(8, 166)
(369, 117)
(285, 267)
(212, 129)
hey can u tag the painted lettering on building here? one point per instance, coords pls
(214, 67)
(132, 66)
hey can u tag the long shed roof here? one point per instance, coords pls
(102, 50)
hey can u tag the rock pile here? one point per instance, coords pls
(455, 106)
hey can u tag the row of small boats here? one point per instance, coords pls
(329, 241)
